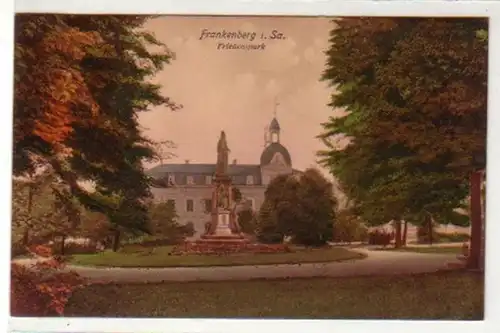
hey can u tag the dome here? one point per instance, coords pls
(275, 126)
(271, 150)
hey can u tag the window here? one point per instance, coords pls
(251, 203)
(208, 205)
(189, 205)
(208, 180)
(249, 180)
(171, 202)
(171, 180)
(190, 180)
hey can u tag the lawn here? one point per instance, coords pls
(434, 249)
(160, 257)
(444, 295)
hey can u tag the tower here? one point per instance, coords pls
(274, 128)
(274, 131)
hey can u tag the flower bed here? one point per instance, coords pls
(222, 248)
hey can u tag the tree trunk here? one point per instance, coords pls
(397, 237)
(116, 241)
(474, 259)
(26, 237)
(430, 230)
(26, 234)
(63, 243)
(405, 233)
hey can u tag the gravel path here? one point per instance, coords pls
(377, 263)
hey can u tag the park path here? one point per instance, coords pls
(377, 263)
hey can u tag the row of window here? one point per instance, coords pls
(208, 180)
(206, 204)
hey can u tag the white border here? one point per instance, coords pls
(235, 7)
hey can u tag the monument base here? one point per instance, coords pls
(227, 244)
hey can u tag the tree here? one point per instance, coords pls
(80, 82)
(246, 220)
(301, 207)
(349, 228)
(267, 230)
(42, 210)
(394, 92)
(164, 219)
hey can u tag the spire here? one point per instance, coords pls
(274, 127)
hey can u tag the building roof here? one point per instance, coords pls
(198, 172)
(275, 126)
(202, 169)
(271, 150)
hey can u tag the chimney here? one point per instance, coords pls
(235, 161)
(187, 161)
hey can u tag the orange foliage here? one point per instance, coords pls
(42, 290)
(54, 85)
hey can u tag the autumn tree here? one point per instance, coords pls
(80, 83)
(414, 90)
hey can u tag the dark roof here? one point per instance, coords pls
(274, 125)
(203, 169)
(238, 172)
(271, 150)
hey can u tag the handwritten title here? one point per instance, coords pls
(241, 40)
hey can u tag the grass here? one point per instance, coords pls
(455, 295)
(160, 257)
(436, 249)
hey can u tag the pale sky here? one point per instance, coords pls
(234, 90)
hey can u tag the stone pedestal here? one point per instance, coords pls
(223, 223)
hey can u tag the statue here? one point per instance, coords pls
(222, 197)
(222, 155)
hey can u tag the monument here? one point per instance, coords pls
(223, 225)
(222, 233)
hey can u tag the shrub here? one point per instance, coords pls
(246, 220)
(348, 228)
(380, 237)
(453, 237)
(423, 236)
(70, 247)
(17, 249)
(43, 290)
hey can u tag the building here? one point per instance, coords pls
(189, 185)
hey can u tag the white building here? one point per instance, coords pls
(189, 185)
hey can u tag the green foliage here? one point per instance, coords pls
(302, 208)
(267, 225)
(349, 228)
(164, 226)
(416, 116)
(41, 209)
(246, 220)
(86, 127)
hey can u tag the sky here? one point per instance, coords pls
(235, 90)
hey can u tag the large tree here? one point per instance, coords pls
(415, 94)
(301, 207)
(80, 82)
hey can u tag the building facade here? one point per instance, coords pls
(189, 185)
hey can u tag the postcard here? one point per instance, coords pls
(249, 167)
